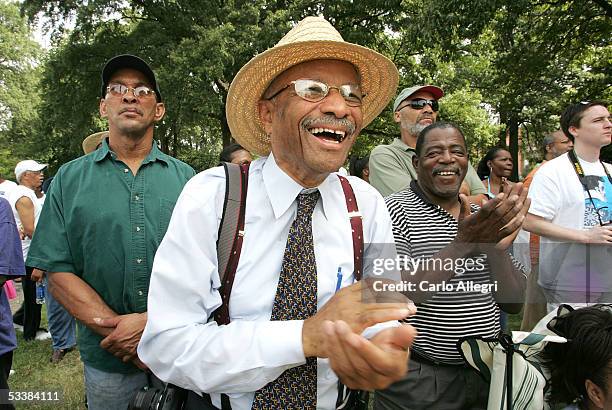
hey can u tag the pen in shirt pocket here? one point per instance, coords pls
(339, 282)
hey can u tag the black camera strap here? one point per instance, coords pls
(571, 155)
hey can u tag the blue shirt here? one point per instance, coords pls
(11, 264)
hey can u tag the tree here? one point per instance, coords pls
(19, 92)
(540, 55)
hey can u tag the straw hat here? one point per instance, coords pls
(313, 38)
(90, 144)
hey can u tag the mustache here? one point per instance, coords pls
(330, 120)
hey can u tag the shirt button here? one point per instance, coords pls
(138, 229)
(126, 170)
(139, 260)
(140, 293)
(136, 197)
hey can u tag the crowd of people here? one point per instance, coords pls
(131, 243)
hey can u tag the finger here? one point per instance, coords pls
(377, 350)
(338, 359)
(489, 206)
(516, 223)
(375, 315)
(108, 344)
(362, 374)
(465, 207)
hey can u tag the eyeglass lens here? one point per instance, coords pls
(314, 91)
(419, 103)
(120, 90)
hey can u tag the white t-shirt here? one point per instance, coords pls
(14, 195)
(558, 196)
(5, 187)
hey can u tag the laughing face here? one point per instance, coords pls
(311, 139)
(442, 164)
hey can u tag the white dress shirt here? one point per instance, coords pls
(181, 346)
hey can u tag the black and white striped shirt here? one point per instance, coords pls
(421, 229)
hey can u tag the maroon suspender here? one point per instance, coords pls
(356, 227)
(227, 277)
(231, 230)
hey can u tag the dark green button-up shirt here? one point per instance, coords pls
(104, 224)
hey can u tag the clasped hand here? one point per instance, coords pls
(123, 340)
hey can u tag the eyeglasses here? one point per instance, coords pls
(119, 90)
(315, 91)
(420, 103)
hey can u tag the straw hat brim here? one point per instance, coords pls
(379, 79)
(90, 144)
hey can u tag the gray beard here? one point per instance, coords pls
(415, 129)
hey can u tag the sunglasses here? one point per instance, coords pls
(315, 91)
(420, 103)
(119, 90)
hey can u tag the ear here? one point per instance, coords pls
(573, 130)
(594, 393)
(489, 164)
(415, 162)
(366, 172)
(160, 110)
(266, 113)
(397, 116)
(103, 113)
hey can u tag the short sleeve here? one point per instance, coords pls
(49, 250)
(545, 196)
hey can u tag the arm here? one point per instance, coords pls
(490, 230)
(244, 355)
(511, 280)
(542, 227)
(25, 209)
(387, 173)
(80, 300)
(121, 332)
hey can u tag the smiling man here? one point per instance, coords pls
(459, 297)
(294, 318)
(102, 221)
(391, 168)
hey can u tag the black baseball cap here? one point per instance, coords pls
(128, 61)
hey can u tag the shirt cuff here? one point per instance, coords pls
(283, 342)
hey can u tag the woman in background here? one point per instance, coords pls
(494, 170)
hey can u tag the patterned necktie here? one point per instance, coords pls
(296, 299)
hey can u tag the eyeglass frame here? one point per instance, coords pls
(329, 88)
(150, 93)
(434, 104)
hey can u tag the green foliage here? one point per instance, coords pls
(463, 109)
(19, 92)
(523, 60)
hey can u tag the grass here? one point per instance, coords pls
(34, 372)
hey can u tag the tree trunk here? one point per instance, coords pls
(513, 144)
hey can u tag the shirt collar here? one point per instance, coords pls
(154, 155)
(282, 190)
(401, 144)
